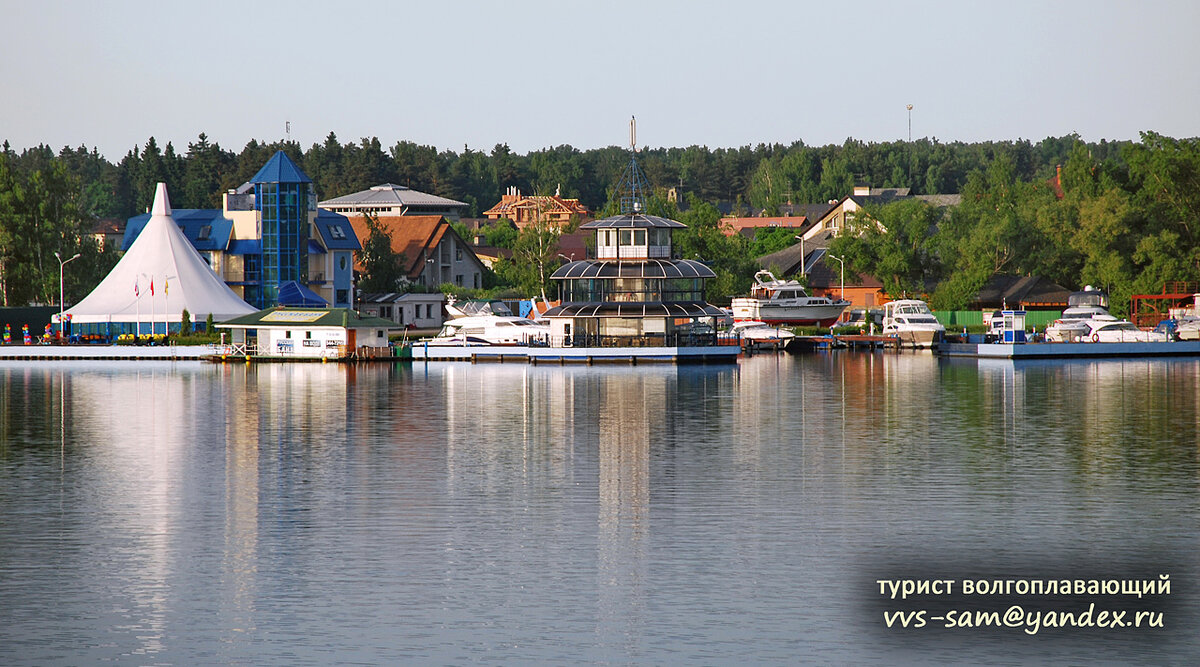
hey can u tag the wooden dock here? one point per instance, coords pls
(849, 341)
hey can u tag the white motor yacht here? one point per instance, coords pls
(1083, 310)
(911, 321)
(774, 301)
(488, 323)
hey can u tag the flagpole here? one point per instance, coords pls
(137, 299)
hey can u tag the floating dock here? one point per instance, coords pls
(850, 341)
(1185, 348)
(574, 355)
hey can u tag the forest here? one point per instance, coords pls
(1125, 218)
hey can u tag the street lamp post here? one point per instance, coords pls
(61, 264)
(842, 289)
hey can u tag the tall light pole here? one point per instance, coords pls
(61, 264)
(909, 107)
(842, 290)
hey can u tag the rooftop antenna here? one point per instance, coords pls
(287, 127)
(632, 188)
(909, 107)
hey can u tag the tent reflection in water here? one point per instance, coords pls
(159, 277)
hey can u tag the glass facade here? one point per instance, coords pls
(624, 290)
(283, 209)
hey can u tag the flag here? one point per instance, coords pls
(151, 287)
(165, 286)
(135, 289)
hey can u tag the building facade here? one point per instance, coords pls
(269, 232)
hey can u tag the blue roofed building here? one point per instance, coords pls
(270, 232)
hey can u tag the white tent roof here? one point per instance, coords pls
(161, 256)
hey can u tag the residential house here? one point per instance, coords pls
(411, 310)
(108, 233)
(795, 216)
(433, 253)
(840, 212)
(524, 210)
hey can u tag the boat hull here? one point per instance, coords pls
(917, 338)
(793, 315)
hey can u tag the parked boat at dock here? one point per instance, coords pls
(758, 335)
(488, 323)
(775, 301)
(1084, 309)
(912, 323)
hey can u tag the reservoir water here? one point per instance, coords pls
(185, 513)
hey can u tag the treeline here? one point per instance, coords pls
(762, 176)
(1127, 222)
(48, 198)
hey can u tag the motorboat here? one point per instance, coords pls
(912, 322)
(774, 301)
(488, 323)
(1083, 309)
(757, 333)
(1187, 320)
(1122, 331)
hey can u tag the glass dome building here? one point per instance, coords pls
(634, 293)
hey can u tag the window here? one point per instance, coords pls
(428, 311)
(205, 232)
(457, 254)
(336, 232)
(458, 279)
(308, 335)
(343, 297)
(476, 281)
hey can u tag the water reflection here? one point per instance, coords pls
(449, 513)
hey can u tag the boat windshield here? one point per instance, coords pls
(1088, 298)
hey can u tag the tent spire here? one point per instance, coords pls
(162, 205)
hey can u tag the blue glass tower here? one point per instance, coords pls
(282, 199)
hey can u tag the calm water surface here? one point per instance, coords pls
(186, 514)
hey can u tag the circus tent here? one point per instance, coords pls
(159, 277)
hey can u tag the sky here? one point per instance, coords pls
(534, 74)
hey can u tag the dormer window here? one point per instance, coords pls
(337, 233)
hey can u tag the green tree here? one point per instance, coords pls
(705, 241)
(535, 257)
(894, 244)
(383, 267)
